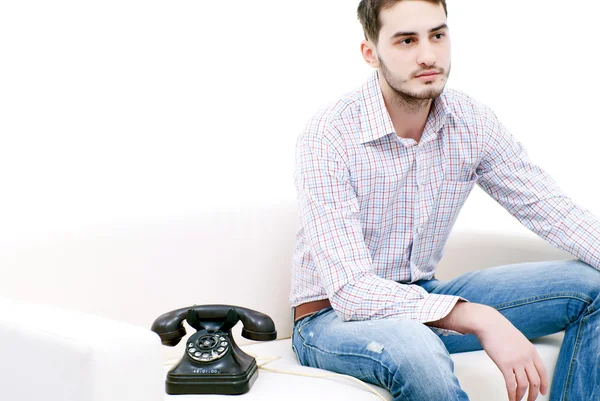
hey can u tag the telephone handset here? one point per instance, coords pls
(212, 362)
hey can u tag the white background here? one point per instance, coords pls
(118, 112)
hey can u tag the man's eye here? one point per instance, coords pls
(439, 35)
(407, 41)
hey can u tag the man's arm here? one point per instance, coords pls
(515, 356)
(531, 195)
(330, 216)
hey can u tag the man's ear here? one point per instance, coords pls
(369, 53)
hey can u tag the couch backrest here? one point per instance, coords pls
(134, 273)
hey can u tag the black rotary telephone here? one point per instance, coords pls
(212, 362)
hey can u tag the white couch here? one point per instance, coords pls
(75, 309)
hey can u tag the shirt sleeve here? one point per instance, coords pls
(529, 194)
(330, 217)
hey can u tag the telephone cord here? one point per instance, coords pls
(318, 376)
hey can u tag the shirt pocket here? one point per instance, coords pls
(451, 197)
(429, 244)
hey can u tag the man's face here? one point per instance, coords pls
(414, 49)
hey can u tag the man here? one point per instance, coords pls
(381, 176)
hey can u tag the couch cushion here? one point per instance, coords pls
(53, 354)
(476, 372)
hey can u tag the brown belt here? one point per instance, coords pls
(309, 308)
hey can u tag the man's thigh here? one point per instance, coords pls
(403, 356)
(539, 298)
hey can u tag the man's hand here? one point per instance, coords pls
(510, 350)
(517, 359)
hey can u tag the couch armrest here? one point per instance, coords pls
(52, 354)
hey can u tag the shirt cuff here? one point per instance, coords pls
(436, 307)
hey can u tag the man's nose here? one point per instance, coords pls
(426, 55)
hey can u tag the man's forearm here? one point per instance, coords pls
(469, 318)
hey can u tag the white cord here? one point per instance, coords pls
(318, 376)
(172, 362)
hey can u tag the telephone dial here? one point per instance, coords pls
(212, 362)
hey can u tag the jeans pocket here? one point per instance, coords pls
(300, 324)
(298, 347)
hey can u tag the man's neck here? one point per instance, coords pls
(408, 118)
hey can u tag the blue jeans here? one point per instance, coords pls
(413, 361)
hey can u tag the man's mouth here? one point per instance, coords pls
(428, 73)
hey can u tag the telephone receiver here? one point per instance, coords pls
(212, 362)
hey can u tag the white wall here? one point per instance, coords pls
(122, 111)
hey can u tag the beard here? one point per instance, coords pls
(411, 100)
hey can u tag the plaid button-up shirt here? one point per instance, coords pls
(376, 209)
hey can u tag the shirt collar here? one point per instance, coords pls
(438, 116)
(375, 119)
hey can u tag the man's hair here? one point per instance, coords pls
(368, 15)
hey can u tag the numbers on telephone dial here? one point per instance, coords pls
(207, 347)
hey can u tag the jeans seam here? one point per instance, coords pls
(570, 370)
(571, 367)
(520, 302)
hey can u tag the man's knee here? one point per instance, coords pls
(419, 367)
(584, 279)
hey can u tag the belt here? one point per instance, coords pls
(310, 308)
